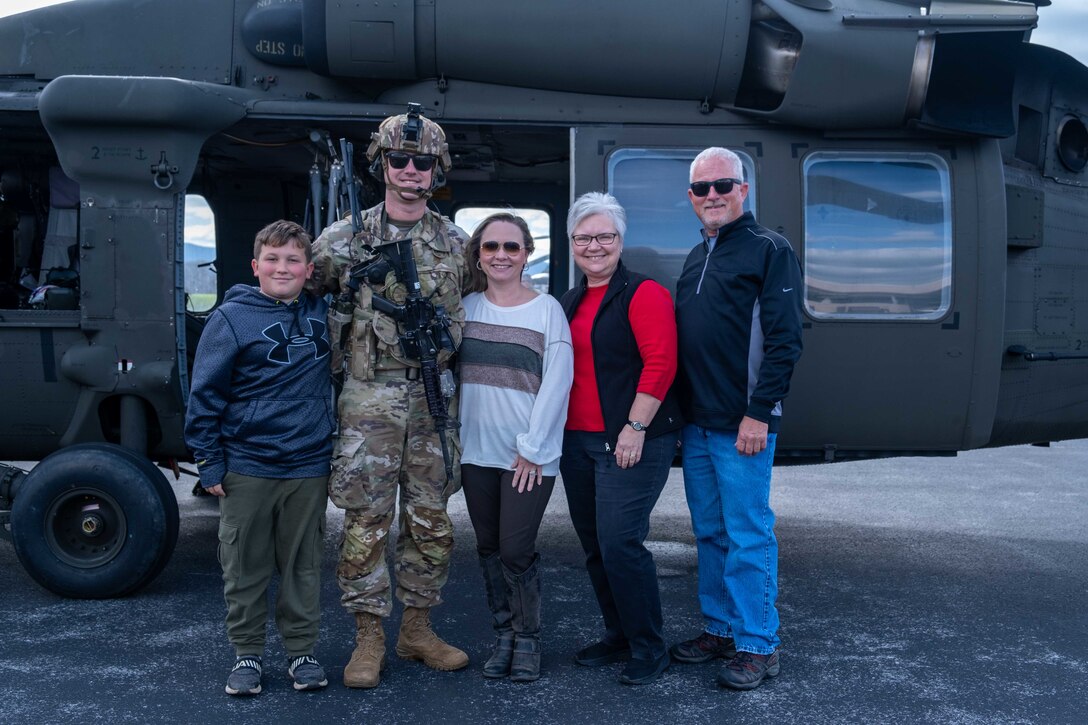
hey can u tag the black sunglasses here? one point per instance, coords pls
(399, 160)
(509, 247)
(722, 186)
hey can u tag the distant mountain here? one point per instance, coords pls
(198, 254)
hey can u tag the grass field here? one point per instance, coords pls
(200, 302)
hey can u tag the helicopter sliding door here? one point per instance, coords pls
(904, 286)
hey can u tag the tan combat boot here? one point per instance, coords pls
(417, 641)
(368, 660)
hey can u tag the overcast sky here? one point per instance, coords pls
(1063, 25)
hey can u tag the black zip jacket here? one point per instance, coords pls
(738, 315)
(616, 358)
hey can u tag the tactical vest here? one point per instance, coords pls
(438, 247)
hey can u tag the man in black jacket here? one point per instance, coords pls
(738, 317)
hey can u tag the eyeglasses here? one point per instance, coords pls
(509, 247)
(722, 186)
(399, 160)
(583, 240)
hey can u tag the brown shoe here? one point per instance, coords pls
(747, 670)
(417, 641)
(704, 648)
(368, 660)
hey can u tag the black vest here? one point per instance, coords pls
(616, 357)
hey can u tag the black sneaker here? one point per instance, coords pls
(643, 672)
(602, 653)
(306, 673)
(245, 676)
(704, 648)
(747, 670)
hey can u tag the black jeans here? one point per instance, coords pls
(505, 521)
(610, 508)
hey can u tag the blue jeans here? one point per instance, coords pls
(610, 509)
(729, 497)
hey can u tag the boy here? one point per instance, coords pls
(260, 424)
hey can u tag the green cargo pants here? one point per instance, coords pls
(268, 524)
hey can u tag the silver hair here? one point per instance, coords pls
(717, 152)
(596, 202)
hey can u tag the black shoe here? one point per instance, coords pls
(643, 672)
(747, 670)
(306, 673)
(245, 677)
(704, 648)
(602, 653)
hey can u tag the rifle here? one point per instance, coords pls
(424, 332)
(332, 204)
(348, 152)
(373, 270)
(313, 204)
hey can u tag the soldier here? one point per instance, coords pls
(388, 439)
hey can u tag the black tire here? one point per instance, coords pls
(94, 521)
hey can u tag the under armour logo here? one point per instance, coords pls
(281, 351)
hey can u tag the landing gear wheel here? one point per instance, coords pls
(94, 521)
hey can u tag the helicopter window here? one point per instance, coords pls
(200, 286)
(538, 269)
(878, 236)
(651, 184)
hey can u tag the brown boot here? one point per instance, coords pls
(368, 660)
(417, 641)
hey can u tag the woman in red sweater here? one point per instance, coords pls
(621, 433)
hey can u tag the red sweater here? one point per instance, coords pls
(653, 323)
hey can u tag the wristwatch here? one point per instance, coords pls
(636, 425)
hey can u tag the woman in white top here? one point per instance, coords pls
(517, 365)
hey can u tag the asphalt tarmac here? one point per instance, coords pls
(935, 590)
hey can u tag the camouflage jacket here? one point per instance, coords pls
(439, 250)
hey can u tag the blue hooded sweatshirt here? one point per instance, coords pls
(261, 398)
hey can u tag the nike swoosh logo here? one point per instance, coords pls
(787, 289)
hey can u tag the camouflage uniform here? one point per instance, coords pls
(387, 437)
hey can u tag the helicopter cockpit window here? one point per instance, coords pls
(200, 287)
(651, 184)
(878, 236)
(538, 270)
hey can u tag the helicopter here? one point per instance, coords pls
(926, 161)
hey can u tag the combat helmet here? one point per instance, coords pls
(410, 132)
